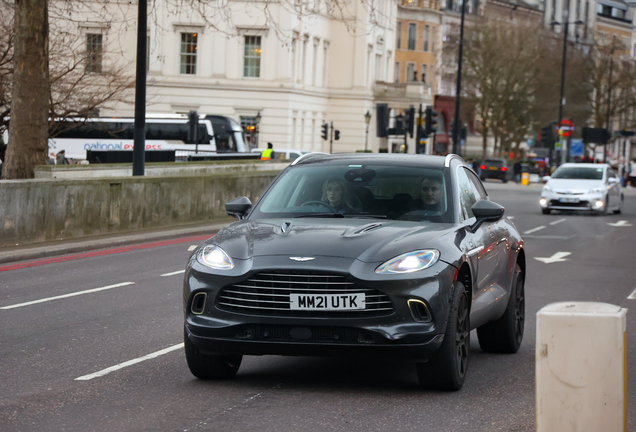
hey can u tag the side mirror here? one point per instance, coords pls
(612, 180)
(545, 179)
(238, 207)
(486, 211)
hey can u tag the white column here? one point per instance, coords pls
(581, 368)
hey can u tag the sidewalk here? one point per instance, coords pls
(61, 247)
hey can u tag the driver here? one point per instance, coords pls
(335, 193)
(431, 192)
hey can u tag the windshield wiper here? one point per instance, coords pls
(321, 215)
(360, 216)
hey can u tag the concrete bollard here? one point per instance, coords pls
(581, 368)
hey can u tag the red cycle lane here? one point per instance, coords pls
(103, 252)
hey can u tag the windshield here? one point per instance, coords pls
(359, 191)
(579, 173)
(494, 162)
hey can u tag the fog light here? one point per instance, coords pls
(543, 201)
(600, 204)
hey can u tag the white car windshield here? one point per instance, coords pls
(578, 173)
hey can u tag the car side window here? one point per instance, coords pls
(478, 185)
(469, 194)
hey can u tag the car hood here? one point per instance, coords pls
(574, 186)
(367, 240)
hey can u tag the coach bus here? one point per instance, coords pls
(215, 134)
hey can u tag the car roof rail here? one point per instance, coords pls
(450, 157)
(305, 155)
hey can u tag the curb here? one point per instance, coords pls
(42, 250)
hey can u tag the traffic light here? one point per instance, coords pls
(547, 137)
(382, 120)
(325, 131)
(410, 120)
(431, 121)
(399, 125)
(336, 135)
(193, 127)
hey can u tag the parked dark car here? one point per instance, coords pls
(359, 255)
(495, 168)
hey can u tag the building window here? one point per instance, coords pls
(249, 125)
(189, 53)
(252, 57)
(412, 35)
(396, 73)
(399, 35)
(425, 38)
(94, 52)
(411, 73)
(433, 39)
(424, 70)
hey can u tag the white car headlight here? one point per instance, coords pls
(214, 257)
(409, 262)
(599, 189)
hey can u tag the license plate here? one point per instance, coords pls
(493, 168)
(329, 302)
(569, 200)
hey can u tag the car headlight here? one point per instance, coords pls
(214, 257)
(410, 262)
(547, 189)
(599, 189)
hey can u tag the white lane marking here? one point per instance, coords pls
(534, 229)
(621, 223)
(557, 257)
(632, 296)
(129, 363)
(68, 295)
(511, 217)
(174, 273)
(193, 247)
(557, 221)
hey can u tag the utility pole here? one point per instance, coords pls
(565, 50)
(331, 139)
(139, 148)
(459, 81)
(609, 96)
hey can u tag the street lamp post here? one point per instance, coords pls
(566, 27)
(459, 80)
(367, 120)
(609, 95)
(258, 128)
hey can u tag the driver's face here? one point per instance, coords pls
(431, 192)
(334, 193)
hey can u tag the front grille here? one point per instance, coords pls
(580, 204)
(268, 294)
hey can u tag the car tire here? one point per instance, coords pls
(545, 211)
(505, 334)
(619, 210)
(446, 368)
(206, 366)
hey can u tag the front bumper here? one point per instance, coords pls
(396, 333)
(587, 202)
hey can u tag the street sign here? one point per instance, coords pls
(576, 147)
(529, 142)
(566, 127)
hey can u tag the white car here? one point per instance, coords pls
(582, 187)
